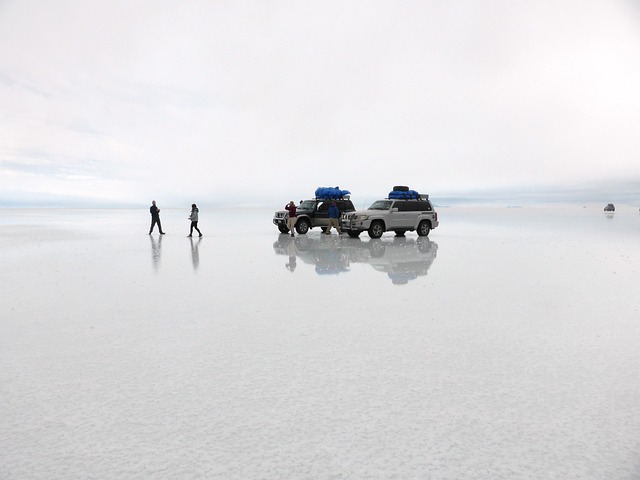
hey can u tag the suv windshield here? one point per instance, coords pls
(307, 205)
(381, 205)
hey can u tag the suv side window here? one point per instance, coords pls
(345, 205)
(420, 206)
(403, 206)
(323, 207)
(424, 206)
(409, 206)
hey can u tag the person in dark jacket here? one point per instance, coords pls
(155, 217)
(291, 222)
(194, 220)
(334, 218)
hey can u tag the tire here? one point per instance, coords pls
(376, 229)
(353, 234)
(424, 228)
(400, 188)
(324, 229)
(400, 233)
(283, 228)
(302, 226)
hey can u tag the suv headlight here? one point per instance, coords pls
(363, 217)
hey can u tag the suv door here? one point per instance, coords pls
(322, 211)
(422, 209)
(321, 215)
(401, 218)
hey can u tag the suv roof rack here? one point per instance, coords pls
(342, 197)
(421, 196)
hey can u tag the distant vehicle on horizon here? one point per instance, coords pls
(610, 208)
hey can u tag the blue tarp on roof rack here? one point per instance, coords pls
(400, 195)
(331, 192)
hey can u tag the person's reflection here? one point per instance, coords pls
(156, 244)
(292, 252)
(330, 258)
(195, 253)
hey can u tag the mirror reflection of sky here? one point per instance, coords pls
(519, 325)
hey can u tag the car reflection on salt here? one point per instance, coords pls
(402, 259)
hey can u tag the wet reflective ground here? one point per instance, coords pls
(402, 259)
(504, 345)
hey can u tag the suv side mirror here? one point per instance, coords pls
(394, 209)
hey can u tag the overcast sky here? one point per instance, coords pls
(120, 102)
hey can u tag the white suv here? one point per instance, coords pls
(392, 215)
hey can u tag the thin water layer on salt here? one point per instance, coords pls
(502, 346)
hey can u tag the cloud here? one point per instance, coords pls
(206, 99)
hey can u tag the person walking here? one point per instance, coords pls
(334, 218)
(291, 222)
(194, 220)
(155, 217)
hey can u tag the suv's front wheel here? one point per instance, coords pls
(302, 226)
(424, 228)
(376, 229)
(283, 228)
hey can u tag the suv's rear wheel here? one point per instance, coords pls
(424, 228)
(283, 229)
(376, 229)
(302, 226)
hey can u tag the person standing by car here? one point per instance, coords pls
(291, 222)
(334, 218)
(194, 220)
(155, 217)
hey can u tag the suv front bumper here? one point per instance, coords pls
(348, 224)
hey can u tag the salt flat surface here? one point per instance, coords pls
(505, 345)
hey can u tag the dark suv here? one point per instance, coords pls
(311, 213)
